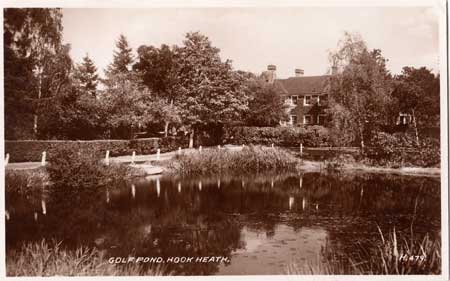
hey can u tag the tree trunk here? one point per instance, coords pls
(191, 139)
(361, 135)
(35, 122)
(415, 127)
(166, 125)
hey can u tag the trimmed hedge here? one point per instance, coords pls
(313, 136)
(31, 150)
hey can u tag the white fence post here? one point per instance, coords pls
(200, 149)
(133, 156)
(107, 158)
(301, 149)
(7, 159)
(158, 154)
(179, 150)
(44, 155)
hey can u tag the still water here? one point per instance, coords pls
(260, 224)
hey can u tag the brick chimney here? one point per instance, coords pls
(299, 72)
(271, 74)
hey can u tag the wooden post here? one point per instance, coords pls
(179, 187)
(291, 202)
(218, 183)
(158, 154)
(44, 207)
(200, 186)
(133, 156)
(44, 154)
(301, 149)
(200, 149)
(107, 158)
(7, 159)
(133, 191)
(7, 215)
(158, 187)
(218, 147)
(179, 150)
(272, 145)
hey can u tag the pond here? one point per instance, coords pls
(254, 224)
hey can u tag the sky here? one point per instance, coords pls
(295, 37)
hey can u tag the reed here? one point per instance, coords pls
(249, 159)
(49, 259)
(385, 259)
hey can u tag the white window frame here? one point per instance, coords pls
(304, 100)
(310, 119)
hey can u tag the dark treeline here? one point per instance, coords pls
(183, 88)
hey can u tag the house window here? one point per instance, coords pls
(294, 99)
(321, 119)
(315, 98)
(307, 119)
(293, 119)
(307, 100)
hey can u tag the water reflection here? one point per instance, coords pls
(236, 217)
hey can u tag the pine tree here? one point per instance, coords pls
(86, 74)
(122, 59)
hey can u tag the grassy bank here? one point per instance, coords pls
(49, 259)
(385, 259)
(247, 160)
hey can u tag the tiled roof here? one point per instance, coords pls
(302, 85)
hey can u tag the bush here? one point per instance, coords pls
(401, 149)
(249, 159)
(313, 136)
(31, 150)
(78, 178)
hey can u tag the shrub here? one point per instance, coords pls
(249, 159)
(28, 183)
(313, 136)
(401, 149)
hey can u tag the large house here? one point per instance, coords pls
(305, 96)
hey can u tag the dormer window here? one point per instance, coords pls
(307, 100)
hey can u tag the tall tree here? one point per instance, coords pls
(266, 106)
(361, 89)
(157, 67)
(86, 74)
(212, 93)
(32, 37)
(417, 93)
(122, 58)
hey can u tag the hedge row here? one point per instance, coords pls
(31, 150)
(313, 136)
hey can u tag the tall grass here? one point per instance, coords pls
(249, 159)
(49, 259)
(385, 259)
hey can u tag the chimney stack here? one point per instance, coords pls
(271, 73)
(299, 72)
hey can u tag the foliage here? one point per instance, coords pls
(122, 58)
(86, 75)
(32, 37)
(401, 149)
(51, 259)
(266, 106)
(26, 183)
(25, 151)
(211, 92)
(249, 159)
(313, 136)
(360, 90)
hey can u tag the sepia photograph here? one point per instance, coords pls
(201, 138)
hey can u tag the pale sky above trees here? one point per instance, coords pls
(255, 37)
